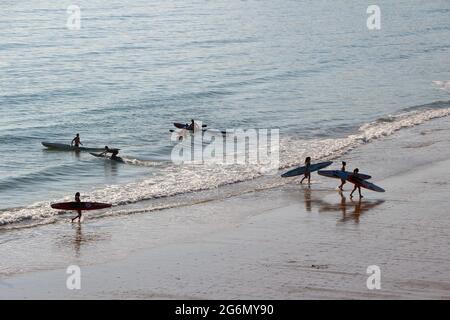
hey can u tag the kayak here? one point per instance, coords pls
(185, 126)
(302, 170)
(180, 125)
(68, 147)
(204, 130)
(98, 155)
(339, 173)
(80, 205)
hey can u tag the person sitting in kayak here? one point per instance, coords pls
(114, 155)
(107, 150)
(76, 141)
(77, 199)
(307, 171)
(342, 180)
(355, 173)
(193, 126)
(113, 152)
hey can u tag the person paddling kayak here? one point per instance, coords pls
(307, 171)
(78, 201)
(193, 126)
(76, 141)
(108, 150)
(355, 175)
(114, 155)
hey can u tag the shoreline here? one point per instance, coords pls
(287, 242)
(168, 186)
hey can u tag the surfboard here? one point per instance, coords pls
(68, 147)
(301, 170)
(337, 174)
(359, 182)
(365, 184)
(80, 205)
(118, 159)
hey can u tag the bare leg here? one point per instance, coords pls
(354, 189)
(359, 190)
(78, 216)
(342, 184)
(309, 178)
(304, 177)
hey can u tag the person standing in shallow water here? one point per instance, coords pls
(342, 180)
(78, 201)
(76, 141)
(307, 171)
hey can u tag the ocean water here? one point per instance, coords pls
(310, 69)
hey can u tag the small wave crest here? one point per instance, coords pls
(172, 180)
(144, 163)
(443, 85)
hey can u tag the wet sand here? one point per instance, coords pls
(291, 242)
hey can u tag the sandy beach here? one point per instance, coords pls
(288, 242)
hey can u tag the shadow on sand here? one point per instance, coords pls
(351, 209)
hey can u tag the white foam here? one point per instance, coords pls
(143, 163)
(443, 85)
(174, 180)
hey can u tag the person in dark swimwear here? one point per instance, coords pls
(193, 126)
(113, 152)
(342, 180)
(77, 199)
(76, 141)
(107, 150)
(307, 172)
(355, 172)
(114, 155)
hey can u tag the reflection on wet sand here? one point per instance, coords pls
(359, 207)
(78, 239)
(351, 210)
(308, 202)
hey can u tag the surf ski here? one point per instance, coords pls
(302, 170)
(68, 147)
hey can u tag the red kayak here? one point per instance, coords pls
(80, 205)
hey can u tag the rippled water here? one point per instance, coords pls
(312, 69)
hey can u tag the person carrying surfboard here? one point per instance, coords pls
(76, 141)
(307, 171)
(342, 180)
(355, 174)
(78, 201)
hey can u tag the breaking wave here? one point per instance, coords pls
(172, 180)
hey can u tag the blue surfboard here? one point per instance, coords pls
(339, 173)
(357, 181)
(301, 170)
